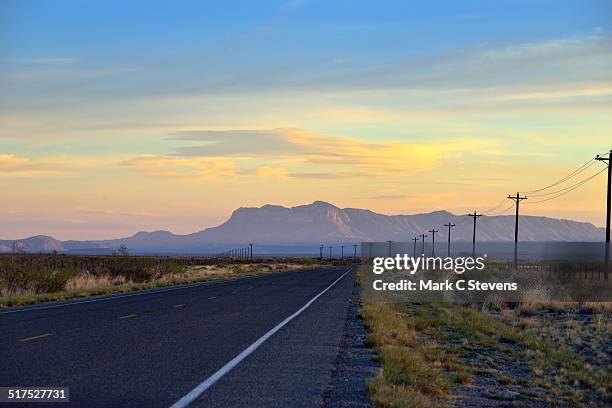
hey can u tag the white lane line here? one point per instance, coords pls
(40, 336)
(212, 297)
(139, 293)
(210, 381)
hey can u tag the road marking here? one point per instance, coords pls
(126, 316)
(234, 292)
(212, 297)
(181, 305)
(210, 381)
(40, 336)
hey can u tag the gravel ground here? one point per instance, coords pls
(503, 380)
(354, 363)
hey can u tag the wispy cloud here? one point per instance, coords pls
(176, 167)
(17, 166)
(330, 176)
(311, 148)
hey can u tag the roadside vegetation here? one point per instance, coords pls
(33, 278)
(482, 355)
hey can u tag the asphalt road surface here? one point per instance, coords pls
(255, 342)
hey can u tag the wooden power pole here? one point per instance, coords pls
(517, 199)
(474, 234)
(449, 225)
(415, 239)
(608, 199)
(433, 242)
(423, 242)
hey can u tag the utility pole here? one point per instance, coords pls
(449, 225)
(423, 243)
(251, 251)
(474, 235)
(433, 242)
(355, 246)
(415, 239)
(321, 252)
(608, 199)
(389, 248)
(342, 252)
(517, 199)
(330, 248)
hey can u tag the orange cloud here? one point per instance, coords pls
(297, 147)
(171, 166)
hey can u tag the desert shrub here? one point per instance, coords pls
(18, 274)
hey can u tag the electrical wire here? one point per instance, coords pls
(496, 207)
(558, 191)
(464, 220)
(502, 212)
(569, 176)
(572, 189)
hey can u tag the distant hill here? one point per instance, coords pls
(324, 222)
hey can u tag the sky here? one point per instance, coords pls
(117, 117)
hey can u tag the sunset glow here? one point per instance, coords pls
(110, 125)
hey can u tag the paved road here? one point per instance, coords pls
(152, 349)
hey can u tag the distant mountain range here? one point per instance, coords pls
(321, 222)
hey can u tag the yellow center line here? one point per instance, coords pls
(181, 305)
(40, 336)
(127, 316)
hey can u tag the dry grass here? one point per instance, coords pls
(85, 284)
(429, 350)
(387, 325)
(417, 369)
(88, 281)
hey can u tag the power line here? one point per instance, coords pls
(496, 207)
(574, 188)
(557, 191)
(569, 176)
(464, 220)
(504, 211)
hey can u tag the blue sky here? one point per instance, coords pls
(325, 99)
(320, 28)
